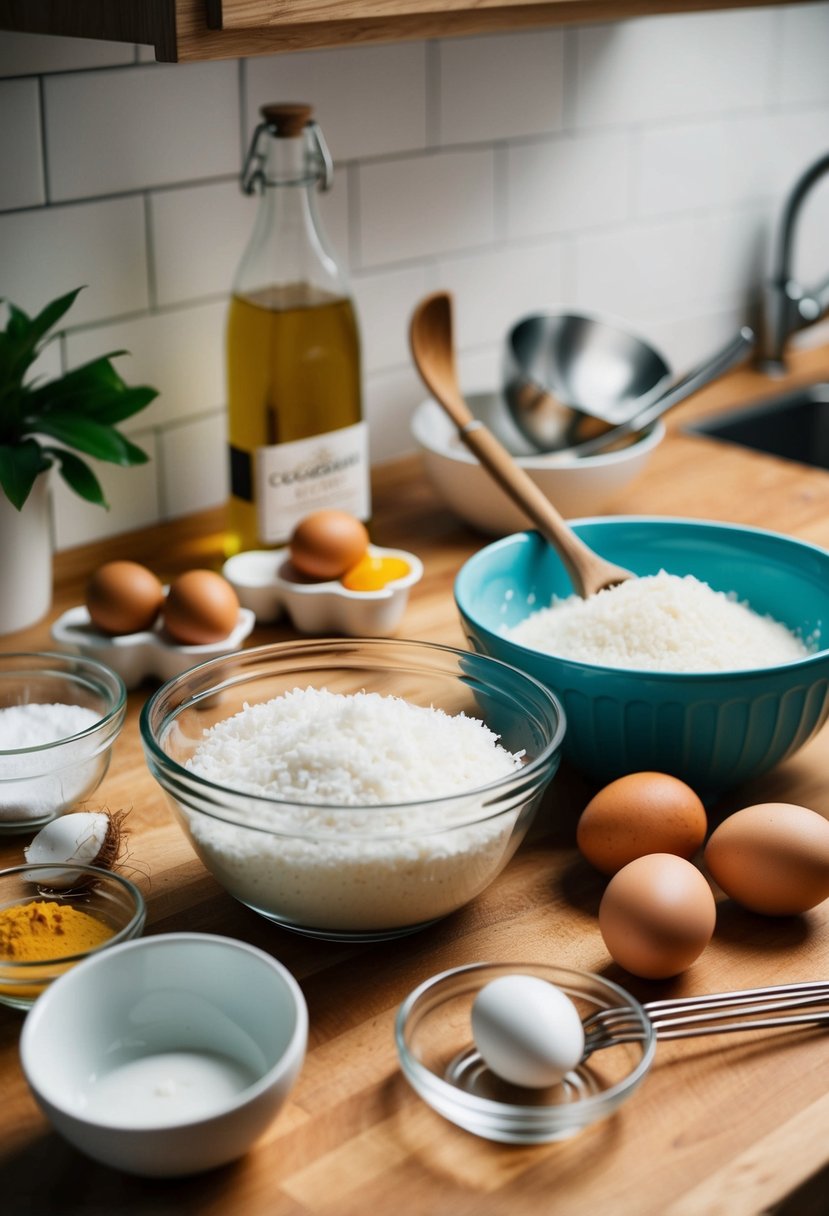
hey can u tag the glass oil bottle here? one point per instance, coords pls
(298, 440)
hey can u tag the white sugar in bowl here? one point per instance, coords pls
(59, 717)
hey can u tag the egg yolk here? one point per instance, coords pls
(373, 573)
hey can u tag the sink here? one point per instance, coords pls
(793, 425)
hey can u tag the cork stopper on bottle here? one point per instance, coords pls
(287, 118)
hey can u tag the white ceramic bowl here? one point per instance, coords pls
(575, 486)
(168, 1055)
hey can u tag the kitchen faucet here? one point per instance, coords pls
(788, 305)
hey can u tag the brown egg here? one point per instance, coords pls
(657, 915)
(639, 814)
(201, 607)
(772, 858)
(123, 597)
(327, 543)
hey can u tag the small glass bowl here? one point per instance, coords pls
(440, 1061)
(99, 893)
(39, 783)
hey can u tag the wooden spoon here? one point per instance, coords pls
(430, 335)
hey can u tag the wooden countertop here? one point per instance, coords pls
(718, 1126)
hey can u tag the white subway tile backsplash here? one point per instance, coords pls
(726, 161)
(701, 164)
(369, 101)
(179, 352)
(390, 399)
(108, 132)
(22, 184)
(492, 290)
(51, 250)
(634, 169)
(647, 272)
(384, 304)
(499, 87)
(133, 502)
(805, 49)
(480, 370)
(194, 465)
(674, 66)
(795, 139)
(426, 205)
(35, 54)
(685, 341)
(198, 237)
(566, 184)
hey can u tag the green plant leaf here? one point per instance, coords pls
(52, 313)
(78, 476)
(20, 465)
(19, 327)
(79, 410)
(94, 438)
(13, 364)
(97, 376)
(115, 409)
(23, 335)
(11, 409)
(94, 390)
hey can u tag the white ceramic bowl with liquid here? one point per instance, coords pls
(169, 1055)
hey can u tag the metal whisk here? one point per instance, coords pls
(715, 1013)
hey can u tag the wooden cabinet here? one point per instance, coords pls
(182, 30)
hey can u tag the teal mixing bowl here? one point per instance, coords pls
(713, 730)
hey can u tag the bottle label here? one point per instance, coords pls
(325, 472)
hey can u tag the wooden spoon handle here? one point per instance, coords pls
(588, 571)
(430, 335)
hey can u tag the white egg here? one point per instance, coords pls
(527, 1031)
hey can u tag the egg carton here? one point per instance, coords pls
(148, 654)
(322, 607)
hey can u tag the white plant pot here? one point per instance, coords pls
(25, 558)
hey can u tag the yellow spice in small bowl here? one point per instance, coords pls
(42, 930)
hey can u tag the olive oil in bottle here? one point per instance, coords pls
(298, 442)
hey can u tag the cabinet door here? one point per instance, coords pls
(260, 14)
(182, 30)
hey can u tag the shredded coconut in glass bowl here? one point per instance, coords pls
(365, 749)
(369, 832)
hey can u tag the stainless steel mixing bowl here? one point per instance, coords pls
(572, 380)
